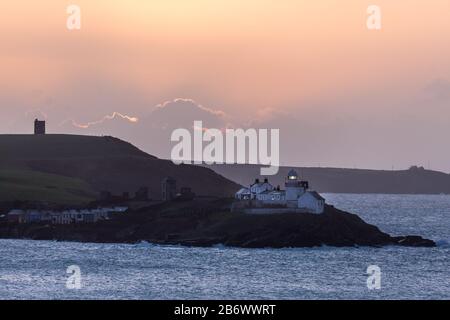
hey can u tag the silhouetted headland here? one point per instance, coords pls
(61, 172)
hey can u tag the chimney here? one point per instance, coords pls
(256, 180)
(266, 180)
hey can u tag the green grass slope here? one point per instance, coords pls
(32, 186)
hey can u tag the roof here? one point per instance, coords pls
(243, 191)
(316, 195)
(260, 184)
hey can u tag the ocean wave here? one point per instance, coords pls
(443, 243)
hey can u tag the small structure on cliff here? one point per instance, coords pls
(107, 197)
(169, 191)
(185, 194)
(169, 188)
(262, 197)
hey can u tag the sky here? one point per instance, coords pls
(342, 95)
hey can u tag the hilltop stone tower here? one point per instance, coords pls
(39, 127)
(169, 188)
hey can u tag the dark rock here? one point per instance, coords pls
(413, 241)
(207, 222)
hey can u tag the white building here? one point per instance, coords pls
(63, 217)
(262, 195)
(311, 201)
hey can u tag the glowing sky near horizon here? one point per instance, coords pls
(368, 98)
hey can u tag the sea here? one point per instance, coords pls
(68, 270)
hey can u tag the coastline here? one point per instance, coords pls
(206, 223)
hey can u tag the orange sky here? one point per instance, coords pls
(292, 56)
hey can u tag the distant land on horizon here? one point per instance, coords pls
(415, 180)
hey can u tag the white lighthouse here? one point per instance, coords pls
(294, 188)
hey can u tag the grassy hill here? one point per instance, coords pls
(26, 185)
(23, 148)
(66, 168)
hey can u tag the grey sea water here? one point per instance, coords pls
(37, 269)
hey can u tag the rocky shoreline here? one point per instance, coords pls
(204, 223)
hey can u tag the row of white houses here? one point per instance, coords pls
(62, 217)
(263, 195)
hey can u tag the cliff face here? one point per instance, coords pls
(208, 222)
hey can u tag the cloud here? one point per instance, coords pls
(265, 116)
(172, 113)
(113, 116)
(191, 103)
(182, 112)
(151, 129)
